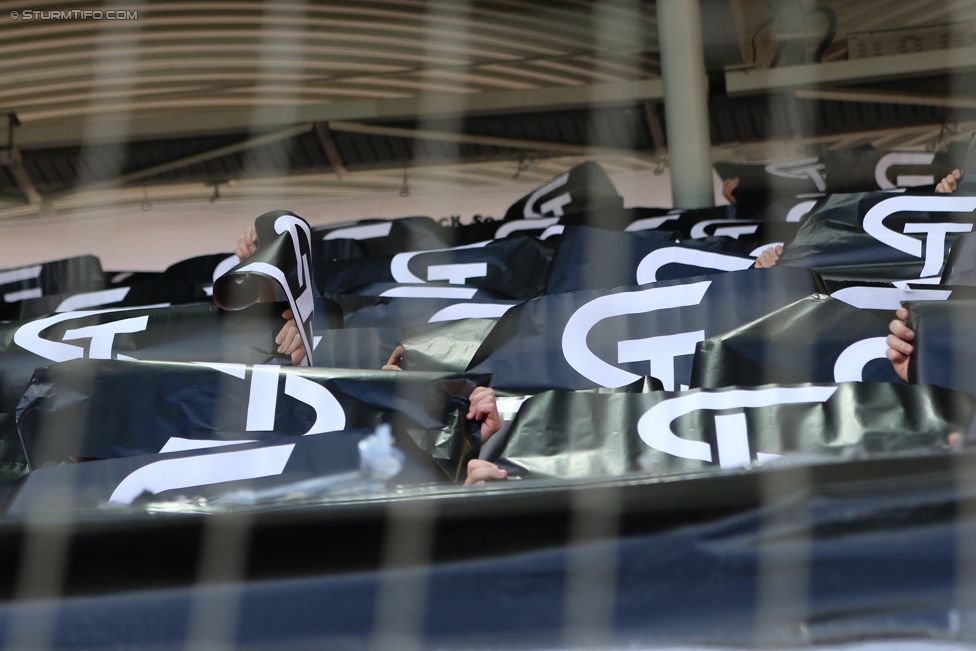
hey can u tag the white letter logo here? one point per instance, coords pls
(455, 274)
(173, 474)
(263, 401)
(850, 364)
(18, 276)
(654, 427)
(935, 232)
(28, 336)
(659, 351)
(653, 261)
(698, 230)
(554, 206)
(808, 168)
(902, 158)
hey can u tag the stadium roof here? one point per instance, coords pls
(348, 94)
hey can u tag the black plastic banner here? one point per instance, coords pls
(202, 271)
(69, 276)
(202, 333)
(880, 236)
(379, 237)
(514, 268)
(584, 188)
(772, 192)
(159, 292)
(445, 347)
(283, 262)
(869, 170)
(945, 344)
(718, 222)
(119, 409)
(960, 267)
(601, 338)
(403, 306)
(209, 473)
(364, 348)
(561, 434)
(590, 258)
(816, 339)
(442, 346)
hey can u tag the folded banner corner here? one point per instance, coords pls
(281, 265)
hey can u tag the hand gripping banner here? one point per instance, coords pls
(772, 191)
(582, 434)
(816, 339)
(881, 237)
(282, 262)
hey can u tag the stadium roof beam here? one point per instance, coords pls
(753, 81)
(331, 151)
(917, 133)
(854, 95)
(468, 139)
(11, 159)
(147, 172)
(434, 104)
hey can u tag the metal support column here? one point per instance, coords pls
(686, 103)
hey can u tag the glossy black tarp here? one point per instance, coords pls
(576, 435)
(584, 188)
(403, 306)
(156, 292)
(13, 463)
(513, 268)
(816, 339)
(880, 236)
(69, 276)
(201, 270)
(960, 268)
(770, 191)
(211, 473)
(866, 169)
(101, 409)
(945, 344)
(610, 338)
(590, 258)
(366, 348)
(448, 346)
(378, 237)
(282, 265)
(185, 333)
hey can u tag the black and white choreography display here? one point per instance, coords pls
(134, 387)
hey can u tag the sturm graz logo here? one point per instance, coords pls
(731, 429)
(659, 351)
(934, 232)
(264, 391)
